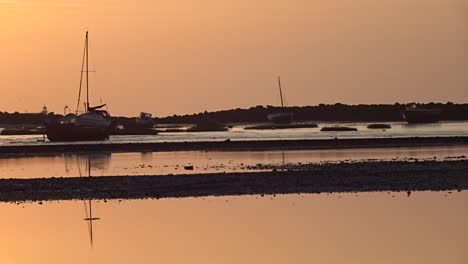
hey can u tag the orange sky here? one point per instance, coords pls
(178, 56)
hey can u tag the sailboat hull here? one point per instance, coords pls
(418, 116)
(71, 132)
(281, 118)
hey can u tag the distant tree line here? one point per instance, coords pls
(21, 118)
(321, 112)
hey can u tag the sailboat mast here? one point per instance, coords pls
(81, 80)
(281, 93)
(87, 74)
(90, 223)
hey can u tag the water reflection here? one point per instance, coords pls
(163, 163)
(89, 218)
(427, 227)
(398, 129)
(98, 162)
(283, 163)
(146, 156)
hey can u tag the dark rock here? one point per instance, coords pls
(379, 126)
(338, 128)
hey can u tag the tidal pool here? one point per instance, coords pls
(161, 163)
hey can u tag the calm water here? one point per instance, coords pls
(239, 133)
(425, 228)
(158, 163)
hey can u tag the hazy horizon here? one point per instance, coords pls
(60, 111)
(183, 57)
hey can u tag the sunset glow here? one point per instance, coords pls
(182, 57)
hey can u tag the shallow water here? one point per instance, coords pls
(162, 163)
(426, 228)
(398, 129)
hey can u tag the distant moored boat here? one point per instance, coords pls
(281, 117)
(145, 120)
(414, 115)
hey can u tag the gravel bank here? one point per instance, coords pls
(311, 178)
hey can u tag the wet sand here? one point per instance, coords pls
(365, 176)
(239, 145)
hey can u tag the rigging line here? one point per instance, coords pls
(87, 73)
(92, 69)
(81, 81)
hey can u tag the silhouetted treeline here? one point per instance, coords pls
(21, 118)
(322, 112)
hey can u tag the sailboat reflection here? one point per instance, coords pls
(76, 162)
(89, 218)
(99, 163)
(283, 162)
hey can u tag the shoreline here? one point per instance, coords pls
(240, 145)
(394, 176)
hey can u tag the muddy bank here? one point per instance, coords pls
(281, 126)
(313, 178)
(231, 145)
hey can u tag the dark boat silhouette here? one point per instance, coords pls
(93, 124)
(415, 115)
(145, 120)
(72, 132)
(281, 117)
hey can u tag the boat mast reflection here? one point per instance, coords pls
(89, 218)
(283, 163)
(88, 205)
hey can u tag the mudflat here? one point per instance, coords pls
(362, 176)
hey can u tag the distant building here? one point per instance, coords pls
(44, 110)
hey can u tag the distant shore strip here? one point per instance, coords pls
(388, 176)
(241, 145)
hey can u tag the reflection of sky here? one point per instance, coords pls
(163, 163)
(427, 227)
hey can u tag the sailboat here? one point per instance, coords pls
(415, 115)
(281, 117)
(93, 124)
